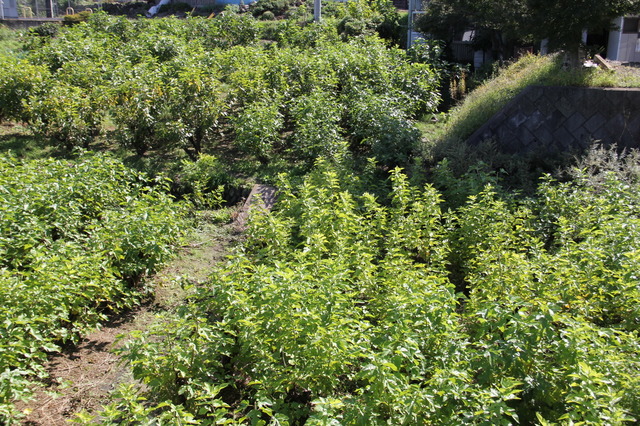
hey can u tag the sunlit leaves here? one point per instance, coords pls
(338, 309)
(169, 84)
(76, 237)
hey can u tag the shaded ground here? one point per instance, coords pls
(82, 377)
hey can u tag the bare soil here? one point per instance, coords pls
(82, 377)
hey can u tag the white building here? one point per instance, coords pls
(624, 42)
(9, 9)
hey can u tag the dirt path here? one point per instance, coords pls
(83, 377)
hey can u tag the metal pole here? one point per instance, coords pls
(316, 10)
(410, 24)
(2, 9)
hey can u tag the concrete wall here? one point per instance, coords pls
(560, 119)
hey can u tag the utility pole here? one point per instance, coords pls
(410, 24)
(2, 9)
(316, 10)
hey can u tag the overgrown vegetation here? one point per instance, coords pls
(186, 87)
(78, 238)
(370, 296)
(9, 41)
(167, 96)
(348, 308)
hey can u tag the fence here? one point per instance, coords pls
(36, 9)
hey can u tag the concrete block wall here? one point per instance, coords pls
(561, 119)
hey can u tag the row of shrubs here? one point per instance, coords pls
(78, 239)
(191, 85)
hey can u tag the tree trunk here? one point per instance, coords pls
(572, 57)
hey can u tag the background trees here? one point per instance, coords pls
(562, 22)
(500, 23)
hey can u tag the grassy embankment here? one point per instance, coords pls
(443, 137)
(487, 99)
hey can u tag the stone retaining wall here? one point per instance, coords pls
(561, 119)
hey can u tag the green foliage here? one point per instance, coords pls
(9, 41)
(545, 15)
(232, 29)
(358, 301)
(18, 81)
(188, 84)
(138, 109)
(427, 51)
(90, 238)
(452, 75)
(340, 308)
(258, 128)
(119, 27)
(76, 236)
(316, 127)
(76, 18)
(267, 16)
(568, 289)
(204, 179)
(457, 189)
(316, 313)
(195, 106)
(274, 7)
(168, 108)
(289, 34)
(382, 127)
(67, 114)
(356, 18)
